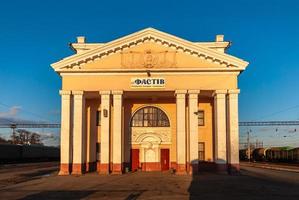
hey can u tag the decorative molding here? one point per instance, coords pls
(180, 92)
(65, 92)
(216, 92)
(117, 92)
(159, 135)
(160, 73)
(105, 92)
(193, 91)
(148, 59)
(150, 35)
(235, 91)
(77, 92)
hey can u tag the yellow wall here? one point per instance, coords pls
(173, 82)
(205, 133)
(167, 105)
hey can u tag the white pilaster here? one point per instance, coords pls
(181, 130)
(79, 150)
(193, 128)
(65, 133)
(220, 128)
(105, 131)
(117, 132)
(233, 130)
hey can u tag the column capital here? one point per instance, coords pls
(180, 91)
(219, 92)
(77, 92)
(65, 92)
(234, 91)
(105, 92)
(117, 92)
(193, 91)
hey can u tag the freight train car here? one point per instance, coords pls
(27, 153)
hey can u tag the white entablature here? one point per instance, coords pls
(95, 51)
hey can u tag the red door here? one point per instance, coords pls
(164, 159)
(134, 159)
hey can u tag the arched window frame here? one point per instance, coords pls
(150, 116)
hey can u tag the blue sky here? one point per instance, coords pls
(34, 34)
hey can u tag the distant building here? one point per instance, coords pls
(149, 101)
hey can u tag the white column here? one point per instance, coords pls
(79, 150)
(193, 129)
(220, 128)
(105, 132)
(65, 133)
(117, 132)
(233, 130)
(181, 130)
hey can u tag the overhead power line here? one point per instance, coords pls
(270, 123)
(57, 125)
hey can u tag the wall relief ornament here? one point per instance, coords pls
(148, 59)
(143, 134)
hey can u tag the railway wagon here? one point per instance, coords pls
(258, 154)
(10, 152)
(23, 153)
(293, 155)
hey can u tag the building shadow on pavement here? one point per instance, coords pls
(245, 185)
(84, 194)
(56, 194)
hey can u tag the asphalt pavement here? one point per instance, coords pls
(253, 183)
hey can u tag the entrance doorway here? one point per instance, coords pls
(134, 159)
(164, 159)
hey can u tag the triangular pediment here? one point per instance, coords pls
(149, 49)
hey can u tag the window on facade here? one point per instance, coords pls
(98, 118)
(150, 117)
(201, 151)
(201, 118)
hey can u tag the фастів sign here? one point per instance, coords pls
(147, 82)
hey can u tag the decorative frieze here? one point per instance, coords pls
(158, 135)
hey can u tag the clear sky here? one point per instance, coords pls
(34, 34)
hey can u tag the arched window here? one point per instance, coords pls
(150, 116)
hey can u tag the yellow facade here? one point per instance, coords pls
(134, 103)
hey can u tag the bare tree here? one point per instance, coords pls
(22, 136)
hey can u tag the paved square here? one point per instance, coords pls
(253, 183)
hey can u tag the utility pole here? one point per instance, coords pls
(248, 146)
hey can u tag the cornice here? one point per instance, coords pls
(150, 35)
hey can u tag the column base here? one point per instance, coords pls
(221, 167)
(103, 168)
(193, 168)
(181, 169)
(205, 166)
(91, 167)
(78, 168)
(65, 169)
(173, 165)
(234, 169)
(117, 168)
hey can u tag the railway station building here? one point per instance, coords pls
(149, 101)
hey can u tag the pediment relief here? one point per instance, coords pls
(148, 59)
(126, 56)
(149, 56)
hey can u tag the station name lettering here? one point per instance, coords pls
(148, 82)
